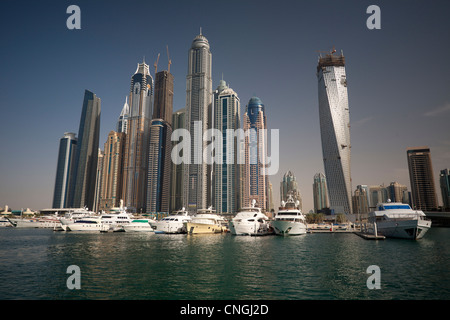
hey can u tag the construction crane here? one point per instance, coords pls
(327, 52)
(168, 57)
(156, 64)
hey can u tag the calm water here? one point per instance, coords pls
(34, 262)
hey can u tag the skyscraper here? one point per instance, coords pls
(255, 182)
(335, 130)
(123, 117)
(444, 181)
(226, 174)
(160, 147)
(136, 146)
(163, 104)
(421, 178)
(111, 179)
(67, 149)
(289, 187)
(176, 192)
(320, 192)
(198, 105)
(159, 166)
(86, 157)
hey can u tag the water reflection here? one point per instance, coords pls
(221, 266)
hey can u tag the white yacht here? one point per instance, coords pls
(73, 215)
(139, 225)
(398, 220)
(37, 222)
(90, 224)
(174, 223)
(206, 221)
(251, 222)
(289, 221)
(116, 221)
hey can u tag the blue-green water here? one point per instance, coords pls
(34, 262)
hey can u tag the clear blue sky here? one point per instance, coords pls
(398, 78)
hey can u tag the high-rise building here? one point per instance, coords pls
(136, 146)
(160, 147)
(176, 185)
(255, 178)
(320, 193)
(67, 149)
(421, 178)
(123, 117)
(335, 130)
(111, 179)
(198, 104)
(163, 103)
(159, 166)
(86, 157)
(289, 187)
(444, 182)
(98, 181)
(226, 174)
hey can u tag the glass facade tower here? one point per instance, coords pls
(67, 148)
(335, 130)
(198, 104)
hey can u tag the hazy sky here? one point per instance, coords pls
(398, 78)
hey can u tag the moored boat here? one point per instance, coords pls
(250, 221)
(206, 221)
(398, 220)
(289, 221)
(174, 223)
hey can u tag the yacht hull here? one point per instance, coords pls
(203, 228)
(249, 229)
(404, 229)
(288, 228)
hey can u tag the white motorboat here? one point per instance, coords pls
(90, 224)
(206, 221)
(251, 222)
(116, 221)
(398, 220)
(73, 215)
(139, 225)
(37, 222)
(175, 223)
(289, 221)
(5, 222)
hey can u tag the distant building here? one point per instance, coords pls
(289, 187)
(67, 149)
(377, 194)
(122, 123)
(361, 200)
(85, 165)
(396, 190)
(335, 130)
(320, 192)
(98, 181)
(111, 179)
(421, 178)
(444, 181)
(255, 182)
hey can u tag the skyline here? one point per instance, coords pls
(396, 81)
